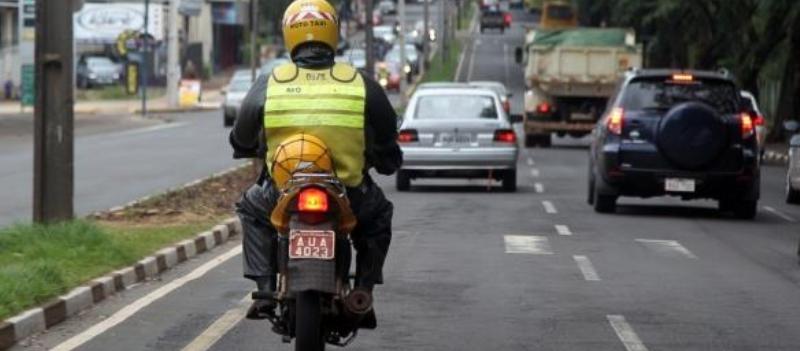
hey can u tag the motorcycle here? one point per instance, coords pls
(316, 301)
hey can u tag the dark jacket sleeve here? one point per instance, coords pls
(383, 153)
(246, 137)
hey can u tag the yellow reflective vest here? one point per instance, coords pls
(326, 103)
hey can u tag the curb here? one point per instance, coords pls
(773, 157)
(39, 319)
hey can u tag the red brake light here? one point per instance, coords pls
(407, 136)
(505, 136)
(543, 108)
(312, 200)
(758, 119)
(748, 126)
(615, 120)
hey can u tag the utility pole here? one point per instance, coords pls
(173, 67)
(145, 50)
(402, 40)
(254, 53)
(53, 176)
(426, 46)
(444, 35)
(369, 37)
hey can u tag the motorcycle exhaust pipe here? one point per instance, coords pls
(358, 302)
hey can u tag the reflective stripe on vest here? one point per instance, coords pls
(328, 104)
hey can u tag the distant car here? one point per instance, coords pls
(385, 33)
(676, 133)
(492, 18)
(457, 133)
(96, 71)
(793, 171)
(758, 119)
(235, 93)
(356, 57)
(500, 89)
(387, 7)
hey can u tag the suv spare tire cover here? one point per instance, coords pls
(692, 135)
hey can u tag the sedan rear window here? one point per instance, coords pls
(456, 107)
(663, 94)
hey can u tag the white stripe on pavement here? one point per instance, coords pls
(667, 247)
(530, 162)
(586, 267)
(563, 230)
(220, 327)
(129, 310)
(534, 173)
(539, 187)
(549, 207)
(780, 214)
(471, 68)
(149, 129)
(626, 334)
(525, 244)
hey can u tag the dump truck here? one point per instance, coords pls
(570, 74)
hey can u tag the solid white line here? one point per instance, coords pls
(549, 207)
(526, 244)
(471, 68)
(129, 310)
(626, 334)
(586, 267)
(220, 327)
(667, 247)
(149, 129)
(530, 162)
(780, 214)
(539, 187)
(534, 173)
(563, 230)
(460, 64)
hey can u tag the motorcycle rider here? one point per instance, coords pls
(347, 110)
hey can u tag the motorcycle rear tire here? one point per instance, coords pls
(308, 322)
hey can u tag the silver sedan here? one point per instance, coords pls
(457, 133)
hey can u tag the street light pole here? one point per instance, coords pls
(402, 40)
(53, 176)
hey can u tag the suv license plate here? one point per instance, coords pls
(680, 185)
(312, 244)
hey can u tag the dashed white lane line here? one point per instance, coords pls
(527, 244)
(563, 230)
(539, 187)
(220, 327)
(471, 68)
(626, 334)
(530, 162)
(549, 207)
(534, 173)
(667, 247)
(130, 310)
(586, 267)
(780, 214)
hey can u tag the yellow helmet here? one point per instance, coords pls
(307, 21)
(300, 153)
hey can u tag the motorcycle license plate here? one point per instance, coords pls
(679, 185)
(312, 244)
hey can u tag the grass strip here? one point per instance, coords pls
(444, 70)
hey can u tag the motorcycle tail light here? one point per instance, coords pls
(312, 200)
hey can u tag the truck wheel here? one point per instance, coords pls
(545, 141)
(530, 141)
(510, 181)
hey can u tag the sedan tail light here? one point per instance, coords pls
(407, 136)
(505, 136)
(748, 126)
(544, 108)
(615, 120)
(312, 200)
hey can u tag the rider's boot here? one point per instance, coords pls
(263, 308)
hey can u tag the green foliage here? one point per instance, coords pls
(444, 71)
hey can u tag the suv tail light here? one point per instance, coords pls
(758, 120)
(505, 136)
(407, 136)
(312, 200)
(748, 126)
(615, 120)
(544, 108)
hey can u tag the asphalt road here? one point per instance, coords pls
(477, 269)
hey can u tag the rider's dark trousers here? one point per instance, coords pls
(371, 237)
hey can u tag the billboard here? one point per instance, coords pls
(103, 23)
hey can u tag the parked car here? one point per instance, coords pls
(96, 71)
(235, 93)
(387, 7)
(684, 134)
(457, 133)
(492, 18)
(793, 171)
(751, 105)
(499, 88)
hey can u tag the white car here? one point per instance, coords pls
(235, 92)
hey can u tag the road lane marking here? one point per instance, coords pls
(526, 244)
(625, 333)
(549, 207)
(667, 247)
(780, 214)
(460, 64)
(586, 267)
(130, 310)
(149, 129)
(539, 187)
(530, 162)
(220, 327)
(471, 68)
(563, 230)
(534, 172)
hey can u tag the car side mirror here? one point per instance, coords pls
(515, 118)
(518, 55)
(791, 126)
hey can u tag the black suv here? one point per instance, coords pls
(673, 133)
